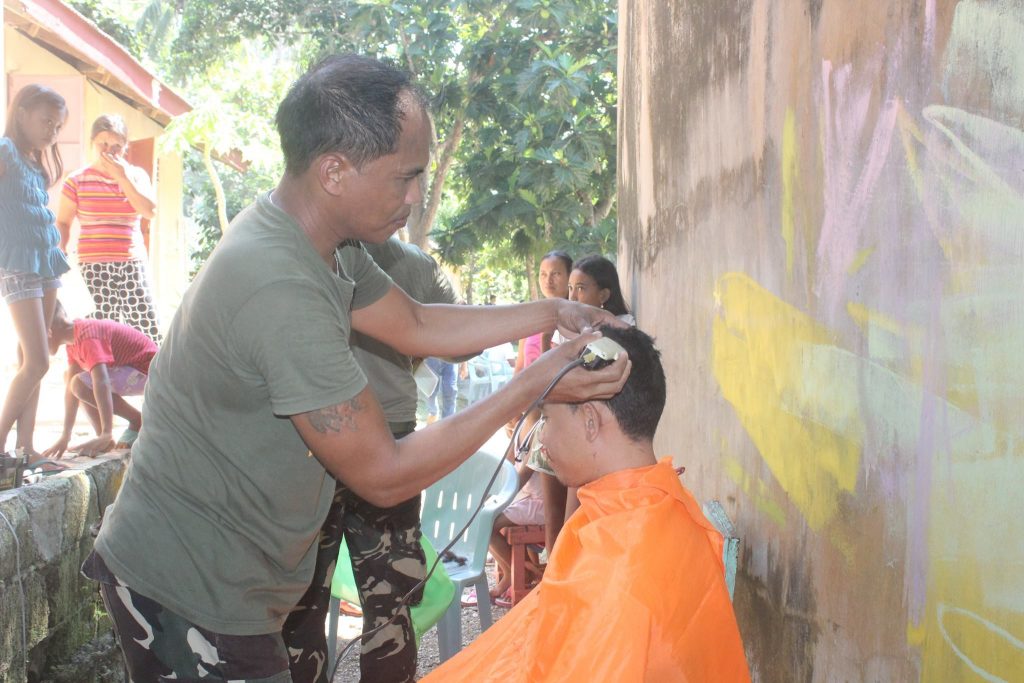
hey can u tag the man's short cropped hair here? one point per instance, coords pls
(347, 104)
(639, 405)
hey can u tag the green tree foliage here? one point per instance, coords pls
(523, 95)
(111, 23)
(229, 116)
(239, 190)
(231, 120)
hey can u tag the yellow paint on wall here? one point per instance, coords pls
(771, 510)
(968, 638)
(789, 183)
(862, 258)
(757, 342)
(974, 615)
(842, 542)
(734, 470)
(767, 506)
(862, 315)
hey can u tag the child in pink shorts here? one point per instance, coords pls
(107, 361)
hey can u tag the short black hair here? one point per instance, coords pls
(638, 407)
(344, 103)
(606, 276)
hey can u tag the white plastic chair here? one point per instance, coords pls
(479, 383)
(447, 506)
(501, 370)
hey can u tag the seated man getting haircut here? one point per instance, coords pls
(635, 586)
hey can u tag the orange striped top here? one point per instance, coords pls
(110, 227)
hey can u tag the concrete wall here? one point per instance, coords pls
(822, 219)
(68, 636)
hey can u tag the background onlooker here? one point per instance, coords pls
(31, 261)
(554, 283)
(109, 198)
(553, 278)
(441, 403)
(107, 361)
(595, 281)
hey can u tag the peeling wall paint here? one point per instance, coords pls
(822, 220)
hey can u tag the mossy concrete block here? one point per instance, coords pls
(25, 604)
(98, 661)
(106, 475)
(46, 503)
(75, 607)
(16, 549)
(52, 522)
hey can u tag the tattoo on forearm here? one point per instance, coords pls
(336, 418)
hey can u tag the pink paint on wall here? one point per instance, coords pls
(850, 175)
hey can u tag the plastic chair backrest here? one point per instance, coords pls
(437, 594)
(479, 382)
(448, 504)
(716, 514)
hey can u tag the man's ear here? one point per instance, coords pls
(593, 420)
(333, 171)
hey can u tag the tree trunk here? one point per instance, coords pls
(470, 278)
(421, 220)
(531, 276)
(604, 207)
(416, 229)
(218, 189)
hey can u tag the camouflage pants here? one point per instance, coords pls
(387, 562)
(160, 645)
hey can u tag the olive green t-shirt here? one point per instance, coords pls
(221, 507)
(388, 371)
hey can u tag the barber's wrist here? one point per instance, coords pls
(533, 380)
(557, 309)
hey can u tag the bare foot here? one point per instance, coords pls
(499, 588)
(31, 455)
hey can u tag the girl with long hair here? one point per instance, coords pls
(595, 281)
(31, 261)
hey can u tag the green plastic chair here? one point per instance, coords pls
(437, 595)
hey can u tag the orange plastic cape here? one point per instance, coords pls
(634, 591)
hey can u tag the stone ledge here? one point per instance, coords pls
(63, 616)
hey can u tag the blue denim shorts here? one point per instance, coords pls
(15, 286)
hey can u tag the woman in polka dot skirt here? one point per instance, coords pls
(109, 198)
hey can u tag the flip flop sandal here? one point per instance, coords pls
(127, 438)
(349, 609)
(46, 467)
(41, 468)
(470, 599)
